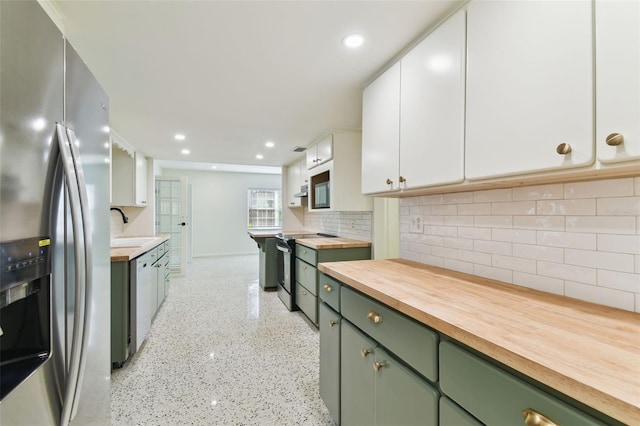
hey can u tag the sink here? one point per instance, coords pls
(131, 241)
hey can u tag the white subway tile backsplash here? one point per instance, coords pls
(566, 240)
(619, 280)
(492, 195)
(528, 251)
(627, 206)
(514, 208)
(514, 263)
(579, 207)
(514, 235)
(499, 274)
(542, 192)
(599, 259)
(567, 272)
(599, 188)
(600, 295)
(578, 239)
(538, 282)
(551, 223)
(458, 198)
(619, 243)
(601, 224)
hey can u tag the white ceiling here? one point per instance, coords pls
(231, 75)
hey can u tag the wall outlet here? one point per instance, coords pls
(353, 225)
(416, 224)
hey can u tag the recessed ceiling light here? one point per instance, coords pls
(269, 144)
(180, 137)
(186, 152)
(259, 156)
(353, 40)
(214, 167)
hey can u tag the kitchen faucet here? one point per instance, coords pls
(124, 218)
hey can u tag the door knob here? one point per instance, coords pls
(403, 179)
(615, 139)
(183, 224)
(374, 317)
(389, 182)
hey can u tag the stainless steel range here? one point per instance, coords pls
(286, 244)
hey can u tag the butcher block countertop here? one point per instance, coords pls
(589, 352)
(331, 243)
(125, 254)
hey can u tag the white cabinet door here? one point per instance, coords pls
(618, 79)
(141, 179)
(293, 184)
(381, 132)
(432, 107)
(529, 86)
(324, 150)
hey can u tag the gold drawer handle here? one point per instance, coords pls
(378, 365)
(328, 288)
(563, 149)
(333, 323)
(533, 418)
(365, 352)
(615, 139)
(374, 317)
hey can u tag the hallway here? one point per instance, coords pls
(222, 352)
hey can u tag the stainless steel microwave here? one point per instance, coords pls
(322, 195)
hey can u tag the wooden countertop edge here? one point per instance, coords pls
(616, 406)
(331, 243)
(125, 254)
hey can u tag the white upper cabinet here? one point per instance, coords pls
(529, 87)
(296, 177)
(618, 80)
(141, 179)
(381, 133)
(128, 174)
(432, 108)
(320, 152)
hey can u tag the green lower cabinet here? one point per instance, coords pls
(376, 389)
(496, 397)
(357, 392)
(307, 302)
(452, 415)
(119, 313)
(329, 324)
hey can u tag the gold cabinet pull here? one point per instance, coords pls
(304, 267)
(378, 365)
(328, 288)
(333, 323)
(304, 293)
(402, 179)
(533, 418)
(304, 252)
(374, 317)
(364, 352)
(563, 148)
(389, 182)
(615, 139)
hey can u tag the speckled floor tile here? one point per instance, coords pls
(222, 352)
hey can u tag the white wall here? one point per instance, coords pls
(580, 240)
(220, 209)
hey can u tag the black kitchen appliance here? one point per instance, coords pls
(286, 245)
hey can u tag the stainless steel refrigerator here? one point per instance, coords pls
(54, 228)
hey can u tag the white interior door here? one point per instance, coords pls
(172, 218)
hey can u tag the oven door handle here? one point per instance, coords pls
(283, 249)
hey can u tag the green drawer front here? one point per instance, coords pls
(496, 397)
(306, 275)
(329, 324)
(307, 254)
(411, 341)
(329, 290)
(452, 415)
(307, 302)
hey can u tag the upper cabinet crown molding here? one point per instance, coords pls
(121, 143)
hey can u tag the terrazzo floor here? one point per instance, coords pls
(222, 352)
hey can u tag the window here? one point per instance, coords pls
(265, 208)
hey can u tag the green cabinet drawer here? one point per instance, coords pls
(307, 254)
(307, 302)
(452, 415)
(307, 276)
(329, 291)
(496, 397)
(411, 341)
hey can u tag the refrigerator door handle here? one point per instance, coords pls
(74, 189)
